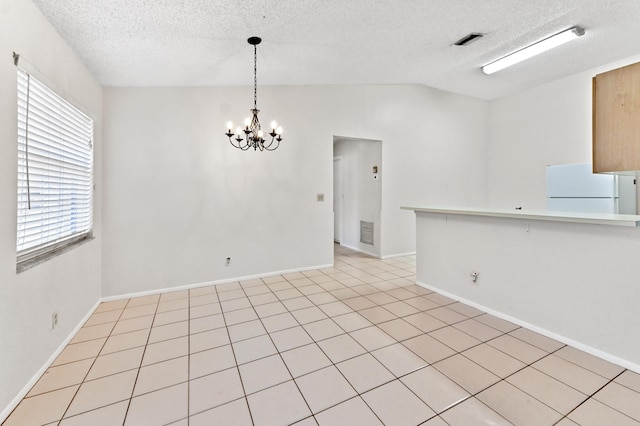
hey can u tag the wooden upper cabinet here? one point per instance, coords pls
(616, 120)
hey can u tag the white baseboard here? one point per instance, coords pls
(25, 390)
(391, 256)
(208, 283)
(588, 349)
(388, 256)
(361, 251)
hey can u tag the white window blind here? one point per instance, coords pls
(55, 172)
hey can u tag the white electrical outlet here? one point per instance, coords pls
(54, 320)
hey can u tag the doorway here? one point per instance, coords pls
(357, 193)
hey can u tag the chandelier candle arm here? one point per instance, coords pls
(252, 136)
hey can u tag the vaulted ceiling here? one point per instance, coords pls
(307, 42)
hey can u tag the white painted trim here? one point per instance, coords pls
(588, 349)
(391, 256)
(361, 251)
(208, 283)
(25, 390)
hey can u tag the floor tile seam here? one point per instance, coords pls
(132, 299)
(135, 382)
(205, 299)
(137, 329)
(279, 353)
(593, 396)
(332, 363)
(220, 405)
(505, 379)
(173, 309)
(479, 401)
(48, 392)
(100, 311)
(358, 395)
(624, 385)
(435, 414)
(236, 309)
(572, 387)
(198, 317)
(95, 358)
(64, 417)
(475, 394)
(584, 397)
(237, 367)
(502, 333)
(586, 368)
(182, 382)
(88, 411)
(449, 346)
(542, 349)
(91, 340)
(85, 325)
(526, 364)
(292, 380)
(299, 286)
(264, 303)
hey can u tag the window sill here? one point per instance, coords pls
(34, 261)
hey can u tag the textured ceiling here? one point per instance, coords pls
(203, 42)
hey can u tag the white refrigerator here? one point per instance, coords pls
(575, 188)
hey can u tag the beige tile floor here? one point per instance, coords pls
(356, 344)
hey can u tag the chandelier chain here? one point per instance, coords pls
(255, 77)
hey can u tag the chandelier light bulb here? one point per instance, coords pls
(252, 136)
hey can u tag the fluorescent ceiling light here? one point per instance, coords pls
(533, 50)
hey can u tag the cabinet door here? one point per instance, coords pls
(616, 120)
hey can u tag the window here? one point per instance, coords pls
(55, 173)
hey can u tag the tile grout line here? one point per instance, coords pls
(144, 351)
(589, 397)
(92, 364)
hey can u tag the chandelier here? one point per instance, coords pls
(252, 136)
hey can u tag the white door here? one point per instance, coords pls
(337, 200)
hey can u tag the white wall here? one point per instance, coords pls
(69, 283)
(546, 125)
(362, 194)
(179, 199)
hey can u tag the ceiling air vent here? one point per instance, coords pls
(468, 39)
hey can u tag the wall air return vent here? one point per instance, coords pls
(366, 232)
(470, 38)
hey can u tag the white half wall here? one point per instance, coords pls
(576, 282)
(179, 199)
(70, 283)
